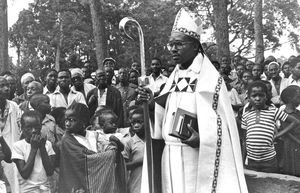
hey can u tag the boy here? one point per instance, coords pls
(134, 151)
(41, 103)
(33, 156)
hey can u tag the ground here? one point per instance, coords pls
(259, 182)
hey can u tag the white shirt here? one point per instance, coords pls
(86, 87)
(275, 95)
(89, 141)
(46, 91)
(155, 85)
(102, 99)
(11, 134)
(291, 81)
(38, 179)
(57, 99)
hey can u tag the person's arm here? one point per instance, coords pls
(293, 124)
(25, 168)
(134, 164)
(46, 159)
(6, 150)
(116, 142)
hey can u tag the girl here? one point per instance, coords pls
(290, 97)
(242, 88)
(259, 120)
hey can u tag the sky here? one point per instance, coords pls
(15, 6)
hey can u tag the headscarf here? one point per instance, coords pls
(271, 63)
(75, 72)
(25, 76)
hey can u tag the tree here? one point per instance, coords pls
(3, 36)
(221, 27)
(98, 30)
(258, 29)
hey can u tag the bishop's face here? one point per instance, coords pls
(181, 48)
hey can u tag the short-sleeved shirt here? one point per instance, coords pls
(154, 85)
(134, 149)
(57, 99)
(38, 178)
(260, 126)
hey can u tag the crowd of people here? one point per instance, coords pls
(82, 130)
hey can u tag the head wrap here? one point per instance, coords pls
(109, 59)
(188, 23)
(275, 63)
(25, 76)
(80, 111)
(75, 72)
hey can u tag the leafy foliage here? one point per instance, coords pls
(37, 32)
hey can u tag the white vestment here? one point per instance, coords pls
(191, 170)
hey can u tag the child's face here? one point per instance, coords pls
(44, 105)
(256, 71)
(286, 69)
(246, 77)
(137, 123)
(32, 126)
(258, 97)
(110, 123)
(296, 70)
(72, 123)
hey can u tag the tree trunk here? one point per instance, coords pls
(221, 27)
(98, 31)
(19, 56)
(58, 49)
(258, 28)
(3, 36)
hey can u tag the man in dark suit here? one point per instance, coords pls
(105, 95)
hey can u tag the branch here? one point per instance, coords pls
(210, 15)
(234, 38)
(207, 48)
(233, 5)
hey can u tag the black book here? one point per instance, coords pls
(182, 119)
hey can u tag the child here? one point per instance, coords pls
(82, 169)
(259, 120)
(243, 86)
(291, 165)
(41, 104)
(33, 156)
(233, 94)
(134, 151)
(108, 127)
(257, 71)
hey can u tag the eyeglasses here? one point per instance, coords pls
(178, 45)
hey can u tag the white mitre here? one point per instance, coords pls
(188, 22)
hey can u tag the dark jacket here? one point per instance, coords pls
(113, 101)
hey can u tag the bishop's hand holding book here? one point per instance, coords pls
(185, 127)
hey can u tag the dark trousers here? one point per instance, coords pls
(270, 166)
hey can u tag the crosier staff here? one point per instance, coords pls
(149, 151)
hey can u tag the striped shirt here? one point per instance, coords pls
(260, 126)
